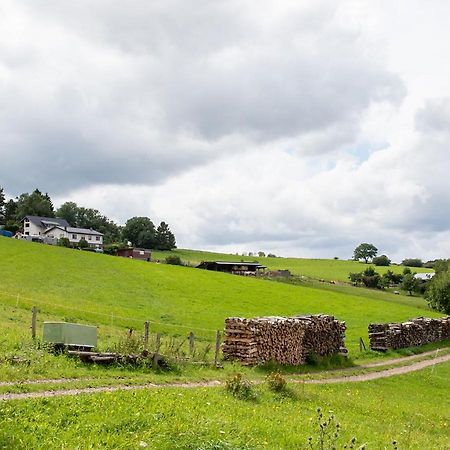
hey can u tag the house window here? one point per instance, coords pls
(89, 238)
(27, 233)
(74, 236)
(97, 238)
(27, 224)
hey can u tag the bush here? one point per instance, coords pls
(276, 382)
(412, 262)
(240, 387)
(174, 260)
(382, 260)
(438, 292)
(83, 243)
(64, 242)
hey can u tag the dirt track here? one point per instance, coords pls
(343, 379)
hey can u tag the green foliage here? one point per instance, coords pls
(240, 387)
(382, 260)
(438, 292)
(2, 204)
(368, 277)
(406, 271)
(276, 382)
(140, 231)
(34, 204)
(64, 242)
(83, 243)
(365, 251)
(164, 238)
(441, 265)
(409, 283)
(412, 262)
(174, 260)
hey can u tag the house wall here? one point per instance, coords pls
(30, 229)
(91, 239)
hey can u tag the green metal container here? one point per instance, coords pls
(70, 334)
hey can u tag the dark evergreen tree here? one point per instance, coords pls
(34, 204)
(140, 231)
(165, 239)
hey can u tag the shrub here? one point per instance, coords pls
(276, 382)
(64, 242)
(83, 243)
(382, 260)
(174, 260)
(412, 262)
(240, 387)
(438, 292)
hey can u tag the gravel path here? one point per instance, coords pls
(345, 379)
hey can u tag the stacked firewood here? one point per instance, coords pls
(413, 333)
(286, 340)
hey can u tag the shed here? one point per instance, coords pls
(234, 267)
(136, 253)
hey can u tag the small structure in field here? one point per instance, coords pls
(416, 332)
(136, 253)
(237, 268)
(71, 335)
(285, 340)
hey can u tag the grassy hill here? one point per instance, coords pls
(116, 292)
(328, 269)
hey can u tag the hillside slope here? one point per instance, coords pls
(108, 290)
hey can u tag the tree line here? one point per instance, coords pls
(140, 231)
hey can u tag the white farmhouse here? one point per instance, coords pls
(92, 237)
(50, 229)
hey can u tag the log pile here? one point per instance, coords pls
(286, 340)
(416, 332)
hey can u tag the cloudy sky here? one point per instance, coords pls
(297, 127)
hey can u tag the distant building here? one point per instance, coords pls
(50, 229)
(237, 268)
(136, 253)
(37, 226)
(424, 276)
(92, 237)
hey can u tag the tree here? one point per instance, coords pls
(409, 283)
(83, 243)
(140, 231)
(438, 292)
(2, 204)
(68, 211)
(440, 265)
(34, 204)
(412, 262)
(365, 251)
(382, 260)
(370, 278)
(261, 254)
(165, 239)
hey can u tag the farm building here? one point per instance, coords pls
(135, 253)
(236, 268)
(424, 276)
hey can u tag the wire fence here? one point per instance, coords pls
(114, 331)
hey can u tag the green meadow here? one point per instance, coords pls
(412, 410)
(327, 269)
(118, 293)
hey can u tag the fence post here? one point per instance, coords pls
(191, 343)
(156, 355)
(146, 334)
(361, 344)
(34, 312)
(216, 351)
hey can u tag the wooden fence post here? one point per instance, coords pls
(156, 355)
(146, 334)
(34, 312)
(191, 343)
(216, 351)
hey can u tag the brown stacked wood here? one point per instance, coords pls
(286, 340)
(415, 332)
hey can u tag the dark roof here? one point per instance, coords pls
(70, 229)
(206, 264)
(47, 221)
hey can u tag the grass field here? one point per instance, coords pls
(328, 269)
(117, 292)
(411, 409)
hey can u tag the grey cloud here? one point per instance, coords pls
(102, 92)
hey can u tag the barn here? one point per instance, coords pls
(246, 268)
(136, 253)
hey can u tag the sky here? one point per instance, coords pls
(301, 128)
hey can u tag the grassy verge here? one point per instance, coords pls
(403, 408)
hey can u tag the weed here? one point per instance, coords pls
(240, 387)
(276, 382)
